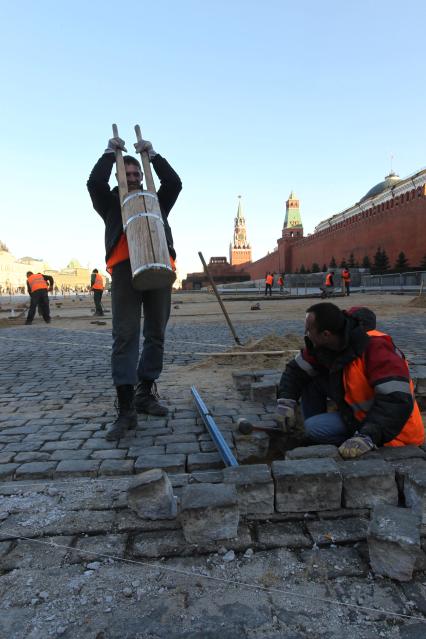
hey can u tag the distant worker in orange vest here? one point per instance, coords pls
(328, 288)
(97, 286)
(346, 280)
(269, 280)
(38, 286)
(347, 360)
(281, 283)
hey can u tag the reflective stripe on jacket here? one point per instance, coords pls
(359, 394)
(36, 282)
(98, 284)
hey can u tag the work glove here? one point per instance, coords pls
(285, 411)
(143, 146)
(114, 144)
(356, 446)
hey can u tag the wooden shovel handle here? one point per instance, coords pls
(121, 169)
(149, 180)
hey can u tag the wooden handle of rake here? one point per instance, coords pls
(149, 180)
(121, 169)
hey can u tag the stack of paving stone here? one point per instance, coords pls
(259, 385)
(312, 499)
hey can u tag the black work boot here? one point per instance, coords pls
(146, 399)
(126, 418)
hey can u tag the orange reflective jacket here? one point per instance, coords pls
(329, 279)
(99, 283)
(346, 276)
(360, 396)
(269, 280)
(36, 282)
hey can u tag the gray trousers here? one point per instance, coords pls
(126, 303)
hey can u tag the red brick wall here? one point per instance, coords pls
(397, 225)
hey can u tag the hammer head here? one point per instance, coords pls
(244, 426)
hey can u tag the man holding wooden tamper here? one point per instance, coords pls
(128, 369)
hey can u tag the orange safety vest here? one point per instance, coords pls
(269, 279)
(99, 283)
(37, 282)
(360, 396)
(346, 276)
(328, 279)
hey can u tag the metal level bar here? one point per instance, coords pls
(214, 430)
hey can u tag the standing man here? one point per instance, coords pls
(269, 280)
(346, 281)
(347, 360)
(128, 369)
(38, 286)
(328, 288)
(281, 283)
(97, 286)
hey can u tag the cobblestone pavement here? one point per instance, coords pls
(62, 496)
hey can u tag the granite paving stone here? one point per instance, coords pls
(169, 463)
(5, 458)
(204, 461)
(61, 455)
(63, 445)
(338, 531)
(31, 457)
(114, 453)
(97, 548)
(71, 467)
(282, 534)
(116, 467)
(35, 470)
(7, 471)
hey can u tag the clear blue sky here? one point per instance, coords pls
(242, 97)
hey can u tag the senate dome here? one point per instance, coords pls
(390, 180)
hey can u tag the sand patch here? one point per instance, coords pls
(271, 351)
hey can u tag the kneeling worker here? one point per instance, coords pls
(363, 372)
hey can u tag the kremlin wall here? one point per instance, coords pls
(392, 215)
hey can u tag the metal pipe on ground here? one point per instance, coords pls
(214, 430)
(219, 299)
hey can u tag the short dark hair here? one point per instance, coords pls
(328, 317)
(95, 270)
(29, 273)
(128, 159)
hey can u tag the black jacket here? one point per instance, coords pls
(106, 201)
(384, 363)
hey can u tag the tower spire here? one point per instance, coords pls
(240, 249)
(293, 226)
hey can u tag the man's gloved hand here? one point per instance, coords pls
(114, 144)
(285, 411)
(356, 446)
(144, 146)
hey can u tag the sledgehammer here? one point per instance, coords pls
(246, 428)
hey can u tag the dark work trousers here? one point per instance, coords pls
(97, 297)
(41, 299)
(316, 418)
(126, 305)
(268, 287)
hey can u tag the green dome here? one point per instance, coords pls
(390, 180)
